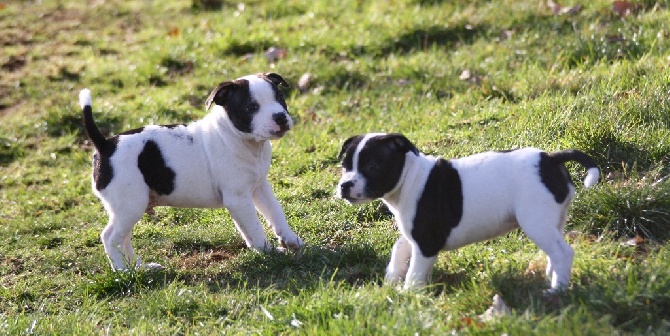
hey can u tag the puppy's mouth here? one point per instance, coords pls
(351, 200)
(280, 133)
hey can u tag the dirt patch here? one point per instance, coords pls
(14, 63)
(204, 259)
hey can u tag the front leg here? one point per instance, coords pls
(246, 221)
(420, 268)
(269, 207)
(397, 268)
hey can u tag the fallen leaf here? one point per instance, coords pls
(305, 81)
(558, 9)
(623, 7)
(174, 32)
(636, 241)
(274, 53)
(465, 75)
(554, 6)
(497, 309)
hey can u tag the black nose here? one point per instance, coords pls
(345, 188)
(281, 119)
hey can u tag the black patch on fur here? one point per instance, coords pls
(381, 162)
(555, 177)
(240, 105)
(348, 149)
(157, 175)
(439, 209)
(171, 126)
(102, 171)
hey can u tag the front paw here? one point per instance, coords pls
(395, 276)
(293, 243)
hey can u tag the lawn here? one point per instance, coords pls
(456, 77)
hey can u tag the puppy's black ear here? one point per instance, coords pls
(345, 146)
(401, 143)
(219, 94)
(276, 79)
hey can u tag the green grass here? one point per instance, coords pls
(592, 81)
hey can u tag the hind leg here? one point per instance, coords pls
(561, 228)
(123, 212)
(545, 229)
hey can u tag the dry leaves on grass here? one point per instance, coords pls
(624, 8)
(559, 9)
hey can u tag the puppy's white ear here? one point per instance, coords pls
(276, 79)
(219, 94)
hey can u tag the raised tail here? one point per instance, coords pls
(99, 140)
(592, 171)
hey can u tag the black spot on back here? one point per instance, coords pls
(102, 170)
(132, 131)
(555, 177)
(439, 209)
(157, 175)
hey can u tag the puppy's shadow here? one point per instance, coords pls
(226, 267)
(296, 270)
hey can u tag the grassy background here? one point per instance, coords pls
(593, 81)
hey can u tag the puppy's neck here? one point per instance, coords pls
(411, 182)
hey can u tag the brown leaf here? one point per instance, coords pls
(174, 32)
(274, 53)
(636, 241)
(554, 6)
(623, 7)
(558, 9)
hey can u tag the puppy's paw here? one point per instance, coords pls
(293, 243)
(152, 267)
(393, 277)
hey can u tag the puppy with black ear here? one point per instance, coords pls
(219, 161)
(444, 204)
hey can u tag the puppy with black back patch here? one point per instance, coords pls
(444, 204)
(219, 161)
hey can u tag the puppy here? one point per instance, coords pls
(219, 161)
(445, 204)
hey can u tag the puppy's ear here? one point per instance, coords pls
(276, 79)
(401, 143)
(345, 146)
(219, 94)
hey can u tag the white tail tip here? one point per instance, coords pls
(85, 98)
(592, 177)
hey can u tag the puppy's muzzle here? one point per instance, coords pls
(345, 189)
(281, 119)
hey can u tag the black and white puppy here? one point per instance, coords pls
(219, 161)
(445, 204)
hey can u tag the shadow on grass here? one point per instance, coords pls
(222, 268)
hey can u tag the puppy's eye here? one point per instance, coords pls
(252, 107)
(372, 168)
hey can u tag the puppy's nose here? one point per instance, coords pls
(345, 188)
(281, 119)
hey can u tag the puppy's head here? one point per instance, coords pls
(254, 105)
(372, 165)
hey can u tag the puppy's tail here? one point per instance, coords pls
(592, 171)
(92, 130)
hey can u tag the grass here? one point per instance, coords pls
(593, 81)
